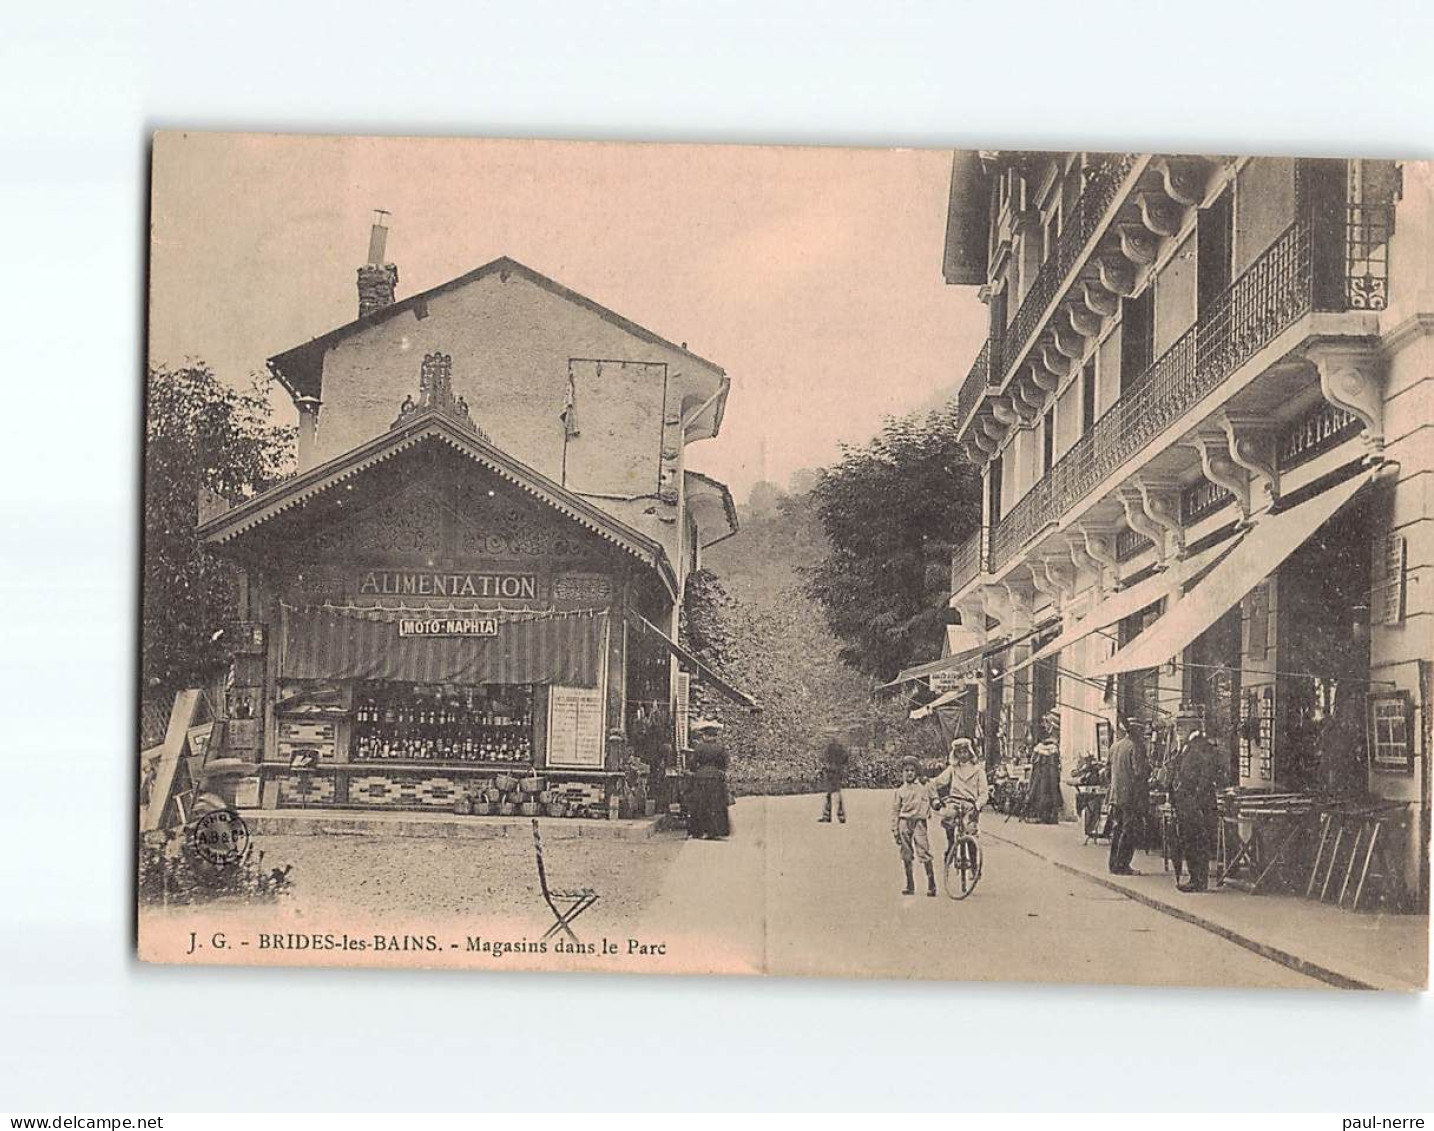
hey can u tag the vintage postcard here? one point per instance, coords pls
(752, 560)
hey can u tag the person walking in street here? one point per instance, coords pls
(910, 810)
(706, 793)
(1044, 802)
(1193, 779)
(966, 789)
(1129, 794)
(834, 763)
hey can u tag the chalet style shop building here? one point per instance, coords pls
(471, 586)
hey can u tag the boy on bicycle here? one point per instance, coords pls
(966, 789)
(910, 809)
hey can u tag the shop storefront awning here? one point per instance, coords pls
(946, 664)
(944, 700)
(1261, 552)
(340, 643)
(708, 675)
(1128, 602)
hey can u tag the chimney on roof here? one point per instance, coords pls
(377, 280)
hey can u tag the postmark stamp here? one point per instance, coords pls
(219, 837)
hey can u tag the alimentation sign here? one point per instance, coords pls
(449, 626)
(430, 583)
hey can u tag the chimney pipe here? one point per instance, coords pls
(377, 280)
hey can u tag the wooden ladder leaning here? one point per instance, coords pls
(1354, 856)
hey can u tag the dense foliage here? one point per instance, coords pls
(749, 617)
(893, 510)
(200, 435)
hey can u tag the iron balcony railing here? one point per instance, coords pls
(1272, 294)
(1078, 229)
(973, 388)
(969, 560)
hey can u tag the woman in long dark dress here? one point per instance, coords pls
(707, 797)
(1044, 802)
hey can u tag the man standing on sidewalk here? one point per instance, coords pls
(1129, 794)
(834, 762)
(1192, 793)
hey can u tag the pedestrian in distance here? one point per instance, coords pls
(834, 763)
(1129, 794)
(910, 810)
(706, 794)
(964, 787)
(1193, 779)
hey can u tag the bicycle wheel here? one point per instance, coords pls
(962, 867)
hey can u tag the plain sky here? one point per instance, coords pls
(811, 275)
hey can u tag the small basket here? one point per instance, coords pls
(531, 785)
(482, 809)
(557, 809)
(463, 806)
(492, 796)
(530, 808)
(505, 783)
(507, 809)
(548, 797)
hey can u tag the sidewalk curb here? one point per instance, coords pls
(1264, 950)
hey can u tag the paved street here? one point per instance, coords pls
(833, 903)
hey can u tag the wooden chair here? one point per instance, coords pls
(565, 905)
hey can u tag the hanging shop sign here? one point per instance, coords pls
(942, 682)
(449, 626)
(431, 583)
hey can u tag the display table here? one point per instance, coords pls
(1263, 839)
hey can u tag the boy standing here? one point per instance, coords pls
(911, 807)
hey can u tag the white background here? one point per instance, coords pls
(82, 1025)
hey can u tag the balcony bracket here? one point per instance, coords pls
(1055, 361)
(1186, 179)
(1251, 444)
(1351, 377)
(1100, 546)
(1099, 299)
(1220, 469)
(1019, 603)
(1160, 214)
(1084, 321)
(996, 605)
(1138, 244)
(1059, 579)
(1161, 500)
(1082, 560)
(1070, 343)
(1116, 275)
(1045, 380)
(1132, 500)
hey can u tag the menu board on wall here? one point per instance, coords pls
(575, 727)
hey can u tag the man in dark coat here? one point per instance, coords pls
(834, 762)
(1193, 780)
(1129, 794)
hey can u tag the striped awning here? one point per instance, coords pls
(338, 642)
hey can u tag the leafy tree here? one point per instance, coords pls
(893, 510)
(200, 435)
(748, 617)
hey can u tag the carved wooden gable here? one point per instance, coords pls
(451, 520)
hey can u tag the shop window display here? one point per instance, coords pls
(442, 723)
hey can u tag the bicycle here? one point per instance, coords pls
(961, 866)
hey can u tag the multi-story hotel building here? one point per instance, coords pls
(1204, 421)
